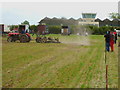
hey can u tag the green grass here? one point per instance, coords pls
(59, 65)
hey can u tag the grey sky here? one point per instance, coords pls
(15, 13)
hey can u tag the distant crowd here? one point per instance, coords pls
(110, 40)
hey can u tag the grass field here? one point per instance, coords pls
(59, 65)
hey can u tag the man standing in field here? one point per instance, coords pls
(112, 40)
(107, 41)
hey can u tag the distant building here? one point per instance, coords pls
(41, 29)
(58, 21)
(88, 19)
(107, 22)
(65, 30)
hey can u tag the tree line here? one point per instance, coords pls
(56, 29)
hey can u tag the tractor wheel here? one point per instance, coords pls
(23, 38)
(9, 39)
(29, 39)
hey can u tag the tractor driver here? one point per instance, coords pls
(23, 31)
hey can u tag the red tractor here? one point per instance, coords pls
(21, 34)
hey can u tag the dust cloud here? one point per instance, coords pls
(77, 40)
(80, 36)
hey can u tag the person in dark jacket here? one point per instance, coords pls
(107, 41)
(23, 31)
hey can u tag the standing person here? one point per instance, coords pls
(112, 40)
(107, 41)
(115, 34)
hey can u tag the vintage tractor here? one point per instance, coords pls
(41, 38)
(19, 35)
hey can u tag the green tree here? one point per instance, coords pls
(25, 22)
(33, 27)
(114, 15)
(54, 29)
(13, 26)
(100, 30)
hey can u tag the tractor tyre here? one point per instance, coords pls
(23, 38)
(29, 39)
(9, 39)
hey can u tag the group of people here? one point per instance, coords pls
(110, 39)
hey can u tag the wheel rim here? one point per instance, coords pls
(23, 39)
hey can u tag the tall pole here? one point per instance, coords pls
(106, 77)
(106, 68)
(105, 53)
(105, 56)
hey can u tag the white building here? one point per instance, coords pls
(4, 28)
(88, 19)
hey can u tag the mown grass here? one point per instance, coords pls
(58, 65)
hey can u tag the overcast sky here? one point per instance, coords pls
(15, 13)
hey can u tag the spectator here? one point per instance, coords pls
(112, 40)
(107, 41)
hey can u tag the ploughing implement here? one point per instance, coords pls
(41, 38)
(47, 40)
